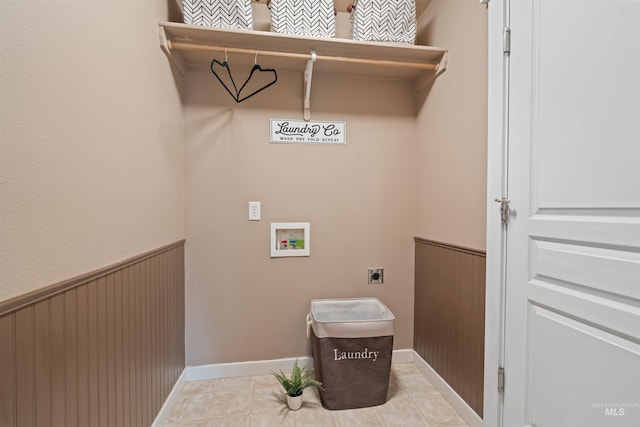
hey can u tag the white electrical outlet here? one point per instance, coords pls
(254, 211)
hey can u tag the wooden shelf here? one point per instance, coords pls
(188, 45)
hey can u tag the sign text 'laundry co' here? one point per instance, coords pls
(311, 132)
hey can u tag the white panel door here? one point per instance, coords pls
(572, 319)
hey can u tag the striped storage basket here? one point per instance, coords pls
(384, 20)
(219, 13)
(314, 18)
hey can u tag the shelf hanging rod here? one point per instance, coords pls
(181, 45)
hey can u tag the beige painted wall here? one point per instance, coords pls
(91, 139)
(365, 201)
(452, 128)
(359, 198)
(92, 170)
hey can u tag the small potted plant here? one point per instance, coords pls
(294, 385)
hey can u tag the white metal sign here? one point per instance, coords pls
(307, 132)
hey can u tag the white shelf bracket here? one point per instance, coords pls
(442, 65)
(440, 68)
(165, 44)
(308, 74)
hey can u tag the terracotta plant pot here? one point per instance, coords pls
(294, 402)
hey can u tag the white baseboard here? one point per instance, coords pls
(163, 414)
(244, 369)
(265, 367)
(402, 356)
(450, 394)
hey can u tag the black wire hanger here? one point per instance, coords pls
(236, 93)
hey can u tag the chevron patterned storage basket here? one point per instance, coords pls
(384, 21)
(313, 18)
(219, 13)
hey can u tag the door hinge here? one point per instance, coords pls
(504, 210)
(501, 380)
(506, 40)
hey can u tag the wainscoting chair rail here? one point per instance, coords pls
(13, 304)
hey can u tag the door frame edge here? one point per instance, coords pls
(493, 400)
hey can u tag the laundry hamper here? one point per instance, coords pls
(384, 20)
(352, 344)
(219, 13)
(313, 18)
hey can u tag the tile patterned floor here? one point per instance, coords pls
(258, 402)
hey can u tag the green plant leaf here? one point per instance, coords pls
(299, 380)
